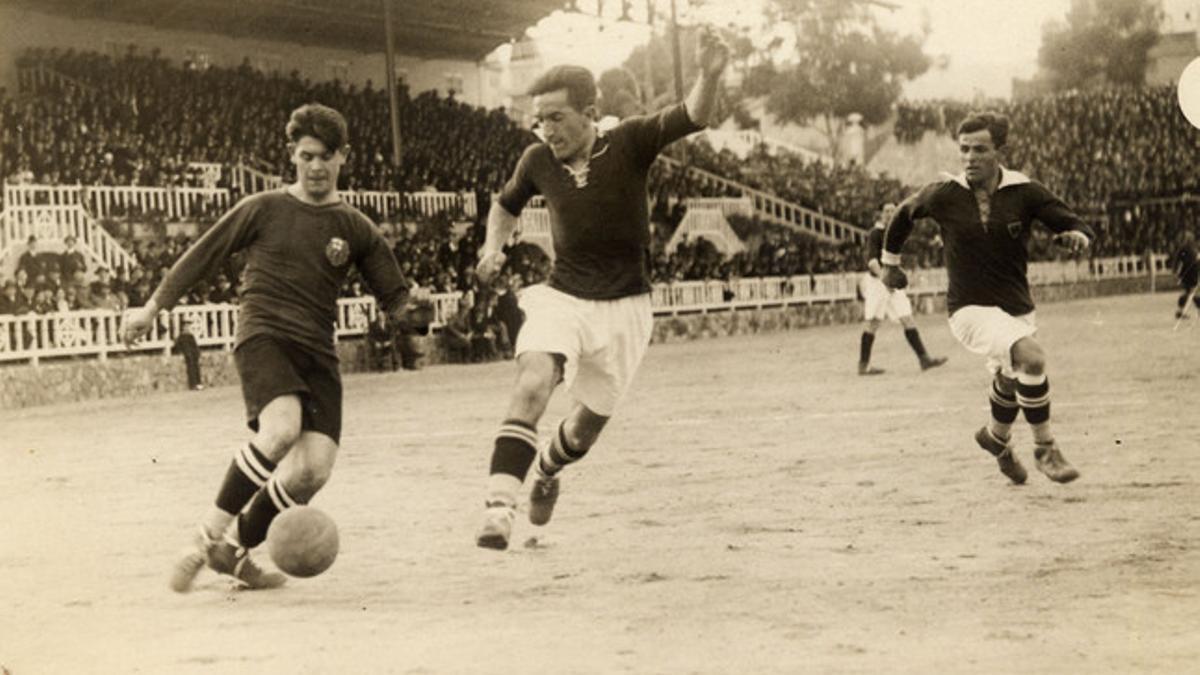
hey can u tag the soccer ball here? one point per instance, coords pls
(303, 541)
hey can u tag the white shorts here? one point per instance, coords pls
(992, 332)
(603, 341)
(880, 302)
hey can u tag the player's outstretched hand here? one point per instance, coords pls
(417, 312)
(894, 278)
(489, 266)
(137, 324)
(712, 54)
(1072, 241)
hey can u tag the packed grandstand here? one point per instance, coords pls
(85, 122)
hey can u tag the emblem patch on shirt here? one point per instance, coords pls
(1014, 229)
(337, 251)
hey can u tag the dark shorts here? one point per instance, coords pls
(271, 367)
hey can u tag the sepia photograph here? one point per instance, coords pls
(696, 337)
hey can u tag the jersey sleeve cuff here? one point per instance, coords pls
(889, 258)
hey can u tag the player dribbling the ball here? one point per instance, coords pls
(300, 242)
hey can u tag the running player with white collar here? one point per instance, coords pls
(985, 215)
(590, 325)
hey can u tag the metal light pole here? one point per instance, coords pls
(391, 83)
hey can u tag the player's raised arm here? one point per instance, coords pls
(229, 234)
(712, 55)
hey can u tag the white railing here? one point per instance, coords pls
(729, 206)
(31, 337)
(534, 227)
(709, 223)
(101, 201)
(249, 180)
(781, 211)
(388, 204)
(56, 223)
(176, 203)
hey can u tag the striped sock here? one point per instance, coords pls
(254, 522)
(558, 453)
(512, 455)
(248, 472)
(1004, 412)
(1033, 394)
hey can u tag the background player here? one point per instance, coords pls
(299, 242)
(591, 323)
(1187, 269)
(881, 302)
(985, 215)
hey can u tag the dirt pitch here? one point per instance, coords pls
(755, 508)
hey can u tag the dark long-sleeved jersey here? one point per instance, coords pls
(600, 223)
(297, 255)
(1185, 265)
(986, 259)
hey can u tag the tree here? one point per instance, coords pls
(843, 63)
(1101, 42)
(619, 94)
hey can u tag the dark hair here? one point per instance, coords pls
(577, 80)
(321, 122)
(995, 123)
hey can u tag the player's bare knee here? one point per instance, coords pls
(1029, 357)
(306, 479)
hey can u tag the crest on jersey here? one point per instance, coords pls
(337, 251)
(1014, 229)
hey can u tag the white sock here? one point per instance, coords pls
(503, 488)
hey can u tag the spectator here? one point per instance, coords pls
(31, 261)
(185, 344)
(381, 344)
(456, 333)
(508, 311)
(72, 259)
(9, 300)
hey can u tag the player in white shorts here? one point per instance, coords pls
(881, 303)
(985, 215)
(590, 325)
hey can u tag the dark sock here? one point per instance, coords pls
(248, 472)
(914, 341)
(1035, 401)
(515, 449)
(267, 503)
(864, 347)
(1004, 412)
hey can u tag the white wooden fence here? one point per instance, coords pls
(56, 223)
(32, 337)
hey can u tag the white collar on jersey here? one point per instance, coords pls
(1008, 178)
(581, 176)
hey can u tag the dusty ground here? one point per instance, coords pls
(756, 508)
